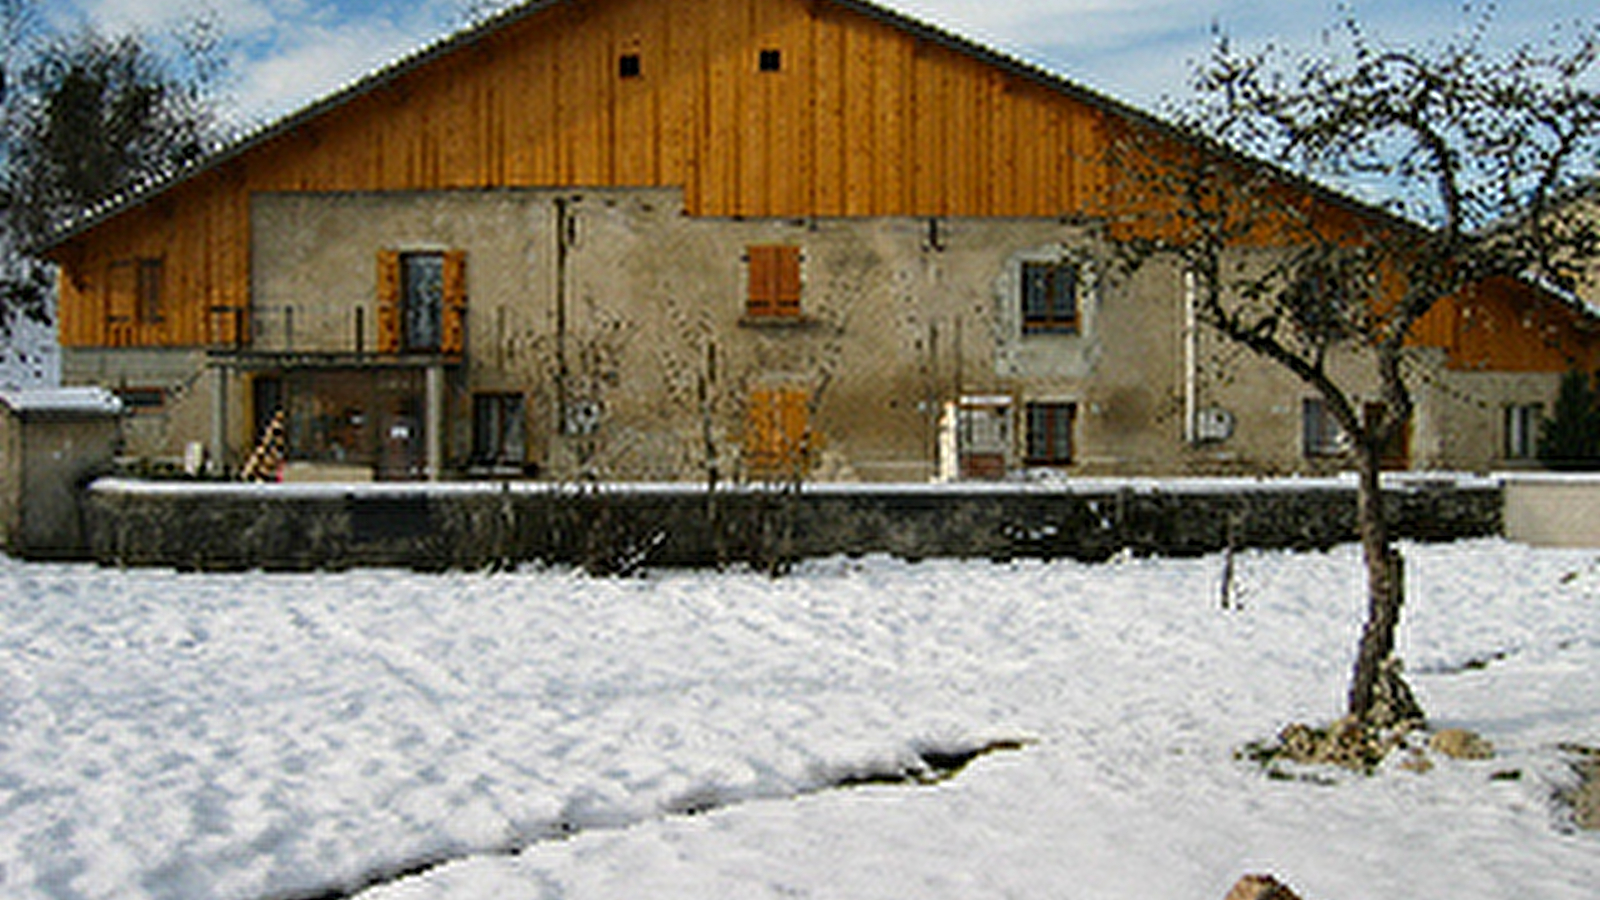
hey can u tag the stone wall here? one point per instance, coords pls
(615, 528)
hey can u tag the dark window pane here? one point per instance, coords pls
(1049, 297)
(422, 295)
(1050, 433)
(497, 429)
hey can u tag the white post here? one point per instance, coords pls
(1191, 360)
(434, 428)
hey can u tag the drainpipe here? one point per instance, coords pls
(219, 423)
(433, 429)
(565, 237)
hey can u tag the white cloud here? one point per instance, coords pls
(316, 61)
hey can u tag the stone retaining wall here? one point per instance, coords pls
(615, 528)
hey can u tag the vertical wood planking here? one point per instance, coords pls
(829, 86)
(925, 133)
(755, 107)
(889, 114)
(721, 181)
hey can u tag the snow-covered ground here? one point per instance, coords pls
(542, 734)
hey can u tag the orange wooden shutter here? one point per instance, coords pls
(453, 329)
(760, 297)
(774, 281)
(760, 435)
(388, 301)
(776, 431)
(793, 425)
(786, 281)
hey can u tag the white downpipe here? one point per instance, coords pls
(1191, 361)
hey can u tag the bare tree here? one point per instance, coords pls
(1475, 149)
(86, 115)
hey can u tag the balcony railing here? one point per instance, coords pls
(289, 329)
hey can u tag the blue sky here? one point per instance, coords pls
(289, 52)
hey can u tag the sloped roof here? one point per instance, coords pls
(142, 192)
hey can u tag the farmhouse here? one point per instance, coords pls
(717, 239)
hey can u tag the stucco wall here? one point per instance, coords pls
(1553, 510)
(180, 377)
(639, 313)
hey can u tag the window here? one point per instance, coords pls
(774, 282)
(1050, 433)
(422, 302)
(1050, 297)
(142, 399)
(1320, 431)
(978, 430)
(148, 296)
(421, 299)
(777, 437)
(629, 66)
(498, 434)
(770, 61)
(1522, 430)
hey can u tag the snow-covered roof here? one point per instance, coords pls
(66, 401)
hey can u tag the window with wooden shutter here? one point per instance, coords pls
(774, 281)
(422, 302)
(453, 330)
(777, 432)
(388, 301)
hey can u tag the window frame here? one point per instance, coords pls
(149, 286)
(1321, 435)
(500, 438)
(1520, 427)
(431, 312)
(142, 400)
(1056, 313)
(1049, 433)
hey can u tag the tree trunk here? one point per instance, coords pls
(1385, 584)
